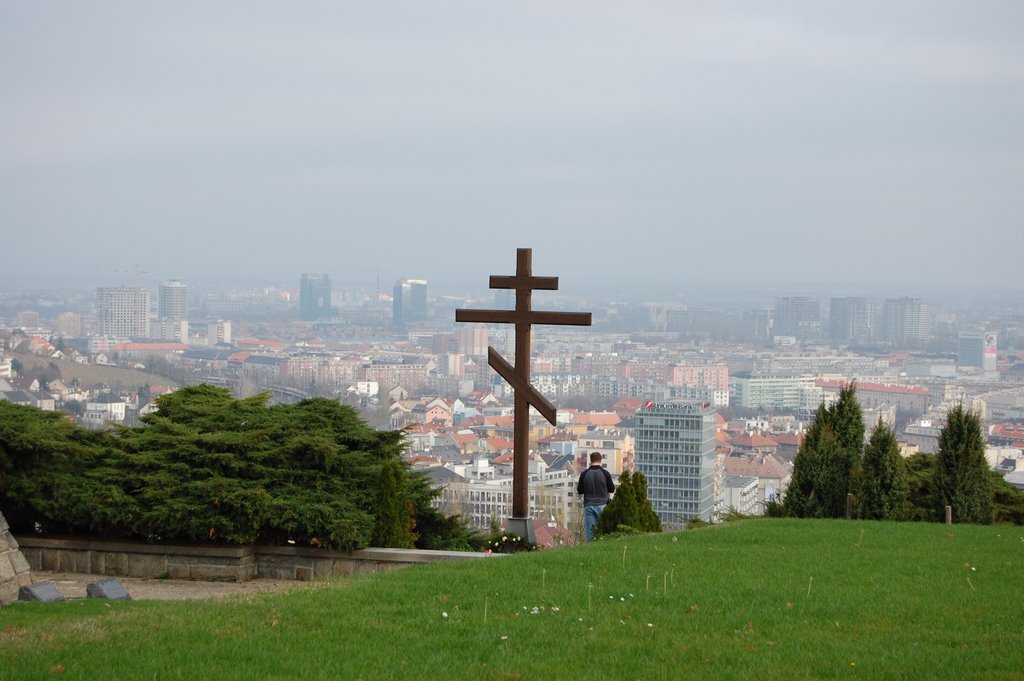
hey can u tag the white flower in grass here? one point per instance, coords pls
(650, 624)
(444, 615)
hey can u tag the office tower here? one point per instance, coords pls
(315, 297)
(905, 322)
(977, 349)
(799, 317)
(122, 312)
(410, 302)
(851, 320)
(172, 300)
(675, 450)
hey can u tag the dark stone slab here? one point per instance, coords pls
(45, 592)
(111, 589)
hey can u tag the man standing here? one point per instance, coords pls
(595, 485)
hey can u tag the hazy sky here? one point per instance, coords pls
(651, 143)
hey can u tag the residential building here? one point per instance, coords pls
(615, 446)
(740, 493)
(905, 322)
(799, 317)
(481, 495)
(218, 332)
(122, 312)
(851, 320)
(772, 475)
(675, 450)
(913, 399)
(315, 297)
(751, 391)
(172, 300)
(69, 324)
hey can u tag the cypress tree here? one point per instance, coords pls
(962, 477)
(629, 510)
(828, 460)
(623, 510)
(648, 520)
(883, 484)
(391, 528)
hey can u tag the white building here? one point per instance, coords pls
(675, 450)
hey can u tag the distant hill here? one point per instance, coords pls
(91, 374)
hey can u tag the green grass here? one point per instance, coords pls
(760, 599)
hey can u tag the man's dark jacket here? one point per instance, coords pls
(595, 485)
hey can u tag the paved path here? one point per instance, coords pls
(73, 584)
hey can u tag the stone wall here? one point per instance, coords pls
(219, 563)
(14, 569)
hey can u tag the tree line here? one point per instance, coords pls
(210, 468)
(833, 462)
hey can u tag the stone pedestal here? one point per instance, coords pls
(522, 527)
(14, 570)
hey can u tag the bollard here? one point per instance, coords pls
(949, 515)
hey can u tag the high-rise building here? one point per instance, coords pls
(122, 312)
(851, 320)
(315, 297)
(27, 319)
(69, 324)
(977, 349)
(172, 300)
(473, 339)
(799, 317)
(410, 302)
(675, 450)
(905, 322)
(218, 332)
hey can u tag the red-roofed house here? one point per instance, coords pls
(772, 475)
(914, 399)
(753, 444)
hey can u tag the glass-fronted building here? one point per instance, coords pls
(675, 450)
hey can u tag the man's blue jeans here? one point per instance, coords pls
(590, 516)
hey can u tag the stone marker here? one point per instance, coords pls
(109, 588)
(14, 569)
(45, 592)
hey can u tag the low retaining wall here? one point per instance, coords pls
(217, 563)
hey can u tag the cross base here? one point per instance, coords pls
(522, 527)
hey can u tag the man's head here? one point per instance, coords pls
(595, 458)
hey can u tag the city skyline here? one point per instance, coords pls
(872, 148)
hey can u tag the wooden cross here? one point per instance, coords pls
(524, 283)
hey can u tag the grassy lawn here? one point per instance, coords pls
(764, 599)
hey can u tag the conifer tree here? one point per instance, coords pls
(883, 484)
(623, 510)
(392, 522)
(629, 510)
(962, 477)
(828, 460)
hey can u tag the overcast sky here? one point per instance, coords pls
(862, 144)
